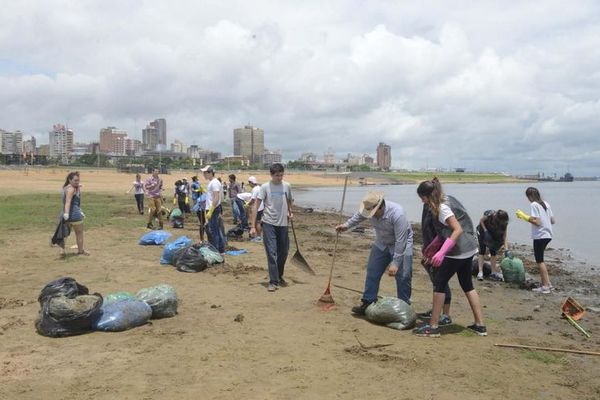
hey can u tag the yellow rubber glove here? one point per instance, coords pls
(520, 214)
(174, 201)
(187, 200)
(209, 213)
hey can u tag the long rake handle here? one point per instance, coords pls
(337, 234)
(287, 200)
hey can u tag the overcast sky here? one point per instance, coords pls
(486, 85)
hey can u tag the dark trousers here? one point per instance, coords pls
(216, 236)
(242, 213)
(277, 246)
(139, 199)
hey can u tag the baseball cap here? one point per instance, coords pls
(252, 179)
(208, 168)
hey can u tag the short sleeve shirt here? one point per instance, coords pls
(255, 192)
(214, 186)
(276, 206)
(544, 230)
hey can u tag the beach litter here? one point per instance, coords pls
(391, 312)
(170, 248)
(573, 311)
(154, 238)
(123, 315)
(161, 298)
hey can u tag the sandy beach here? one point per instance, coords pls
(234, 340)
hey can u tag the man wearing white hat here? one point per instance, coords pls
(392, 249)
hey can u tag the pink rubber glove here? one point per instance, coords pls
(433, 247)
(438, 258)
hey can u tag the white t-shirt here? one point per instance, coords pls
(255, 192)
(544, 231)
(245, 196)
(138, 187)
(445, 213)
(214, 186)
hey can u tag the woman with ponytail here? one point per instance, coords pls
(541, 220)
(449, 253)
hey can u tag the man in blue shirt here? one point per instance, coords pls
(392, 249)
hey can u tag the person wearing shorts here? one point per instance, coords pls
(541, 220)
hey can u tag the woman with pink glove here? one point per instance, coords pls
(452, 251)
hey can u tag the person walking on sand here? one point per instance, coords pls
(491, 234)
(455, 245)
(233, 189)
(391, 251)
(541, 220)
(153, 186)
(214, 209)
(276, 196)
(257, 222)
(138, 193)
(72, 213)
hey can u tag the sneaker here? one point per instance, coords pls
(480, 276)
(426, 314)
(427, 331)
(478, 329)
(149, 226)
(257, 239)
(445, 320)
(541, 289)
(283, 282)
(497, 276)
(272, 287)
(360, 310)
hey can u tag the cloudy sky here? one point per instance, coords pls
(486, 85)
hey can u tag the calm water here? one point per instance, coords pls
(574, 205)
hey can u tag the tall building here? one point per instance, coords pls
(29, 146)
(249, 142)
(271, 157)
(384, 156)
(155, 135)
(329, 158)
(60, 143)
(11, 142)
(179, 147)
(112, 141)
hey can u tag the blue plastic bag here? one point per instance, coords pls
(155, 237)
(236, 252)
(123, 315)
(171, 248)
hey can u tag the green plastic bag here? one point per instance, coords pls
(513, 270)
(118, 296)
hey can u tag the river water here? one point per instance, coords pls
(573, 203)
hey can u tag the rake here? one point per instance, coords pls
(298, 259)
(326, 301)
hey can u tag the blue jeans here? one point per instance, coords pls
(235, 210)
(277, 246)
(376, 266)
(241, 213)
(216, 237)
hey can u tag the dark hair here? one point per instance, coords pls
(232, 177)
(433, 193)
(498, 221)
(534, 195)
(194, 178)
(178, 183)
(276, 168)
(69, 177)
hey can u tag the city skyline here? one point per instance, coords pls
(491, 86)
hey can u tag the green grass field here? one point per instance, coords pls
(35, 212)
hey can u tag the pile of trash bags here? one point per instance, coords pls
(391, 312)
(154, 238)
(67, 308)
(189, 257)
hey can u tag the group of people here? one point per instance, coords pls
(450, 241)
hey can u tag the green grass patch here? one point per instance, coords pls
(544, 357)
(34, 212)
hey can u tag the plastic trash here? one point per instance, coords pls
(63, 316)
(236, 252)
(161, 298)
(154, 237)
(211, 255)
(175, 213)
(391, 312)
(513, 270)
(61, 287)
(118, 296)
(123, 315)
(190, 259)
(172, 247)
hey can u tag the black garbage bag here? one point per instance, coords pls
(190, 259)
(68, 316)
(237, 232)
(66, 286)
(487, 267)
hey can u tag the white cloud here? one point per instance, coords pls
(485, 86)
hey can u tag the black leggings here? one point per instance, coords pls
(459, 266)
(539, 246)
(139, 199)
